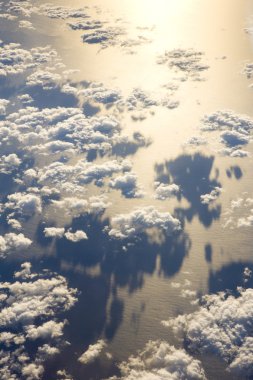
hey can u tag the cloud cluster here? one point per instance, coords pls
(159, 360)
(16, 60)
(235, 131)
(221, 326)
(62, 12)
(240, 213)
(186, 62)
(140, 220)
(29, 312)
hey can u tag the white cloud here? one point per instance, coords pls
(159, 360)
(185, 61)
(3, 104)
(25, 98)
(127, 183)
(48, 80)
(50, 329)
(224, 120)
(93, 352)
(9, 163)
(25, 271)
(164, 191)
(76, 236)
(33, 371)
(58, 11)
(16, 60)
(206, 199)
(25, 204)
(54, 232)
(223, 326)
(234, 138)
(85, 24)
(13, 242)
(30, 311)
(25, 24)
(236, 131)
(138, 221)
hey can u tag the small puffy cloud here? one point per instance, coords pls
(8, 16)
(93, 352)
(127, 183)
(33, 371)
(223, 326)
(76, 236)
(25, 204)
(25, 271)
(206, 199)
(13, 242)
(3, 104)
(25, 24)
(50, 329)
(245, 222)
(159, 360)
(98, 93)
(164, 191)
(14, 223)
(9, 163)
(25, 98)
(54, 232)
(138, 221)
(196, 141)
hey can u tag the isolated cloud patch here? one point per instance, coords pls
(138, 221)
(3, 105)
(93, 352)
(127, 183)
(206, 199)
(164, 191)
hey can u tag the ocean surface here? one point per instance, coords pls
(126, 198)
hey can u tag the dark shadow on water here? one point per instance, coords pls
(98, 267)
(229, 277)
(235, 171)
(127, 148)
(193, 174)
(208, 252)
